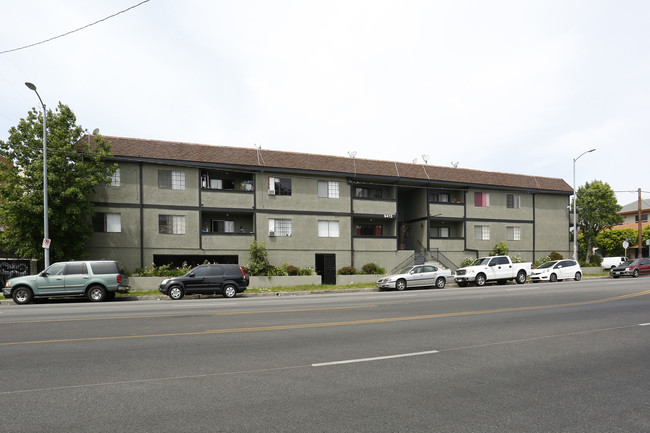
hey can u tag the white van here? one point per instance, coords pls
(611, 262)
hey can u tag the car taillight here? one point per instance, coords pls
(243, 274)
(119, 278)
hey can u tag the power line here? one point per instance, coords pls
(73, 31)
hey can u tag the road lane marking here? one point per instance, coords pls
(344, 323)
(293, 367)
(158, 316)
(376, 358)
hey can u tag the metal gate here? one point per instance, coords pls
(326, 268)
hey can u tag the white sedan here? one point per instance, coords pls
(417, 276)
(555, 270)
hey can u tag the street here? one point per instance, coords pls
(548, 357)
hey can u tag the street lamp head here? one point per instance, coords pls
(31, 86)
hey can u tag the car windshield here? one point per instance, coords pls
(630, 262)
(406, 270)
(547, 264)
(483, 261)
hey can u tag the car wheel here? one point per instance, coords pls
(400, 285)
(521, 277)
(440, 283)
(480, 280)
(578, 276)
(635, 273)
(552, 278)
(22, 295)
(229, 291)
(176, 292)
(97, 293)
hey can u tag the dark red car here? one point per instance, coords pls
(631, 268)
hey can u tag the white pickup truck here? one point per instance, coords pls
(494, 268)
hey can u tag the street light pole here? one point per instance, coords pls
(46, 229)
(575, 218)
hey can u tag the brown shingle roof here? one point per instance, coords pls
(265, 159)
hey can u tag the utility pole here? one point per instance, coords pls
(640, 245)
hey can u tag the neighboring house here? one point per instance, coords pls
(172, 202)
(630, 213)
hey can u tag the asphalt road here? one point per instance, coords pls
(555, 357)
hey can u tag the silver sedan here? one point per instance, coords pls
(417, 276)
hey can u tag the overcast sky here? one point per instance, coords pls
(510, 86)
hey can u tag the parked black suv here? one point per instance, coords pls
(207, 279)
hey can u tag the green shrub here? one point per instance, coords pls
(595, 259)
(290, 270)
(372, 269)
(162, 271)
(466, 262)
(541, 261)
(275, 271)
(259, 258)
(347, 270)
(517, 259)
(500, 249)
(305, 271)
(555, 256)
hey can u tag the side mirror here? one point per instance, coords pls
(191, 275)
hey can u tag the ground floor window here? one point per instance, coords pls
(482, 233)
(513, 233)
(107, 222)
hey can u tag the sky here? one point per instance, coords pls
(518, 86)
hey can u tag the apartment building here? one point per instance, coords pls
(172, 202)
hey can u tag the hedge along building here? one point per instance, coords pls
(174, 202)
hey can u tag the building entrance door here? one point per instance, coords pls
(326, 268)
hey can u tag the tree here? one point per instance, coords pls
(74, 168)
(597, 209)
(259, 258)
(610, 242)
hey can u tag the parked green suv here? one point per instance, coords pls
(98, 280)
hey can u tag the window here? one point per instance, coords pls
(481, 199)
(279, 186)
(171, 179)
(223, 226)
(107, 222)
(280, 227)
(364, 192)
(328, 229)
(328, 189)
(440, 232)
(513, 233)
(369, 230)
(512, 201)
(171, 224)
(644, 217)
(115, 179)
(439, 197)
(482, 233)
(77, 268)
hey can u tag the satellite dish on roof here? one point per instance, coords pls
(96, 131)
